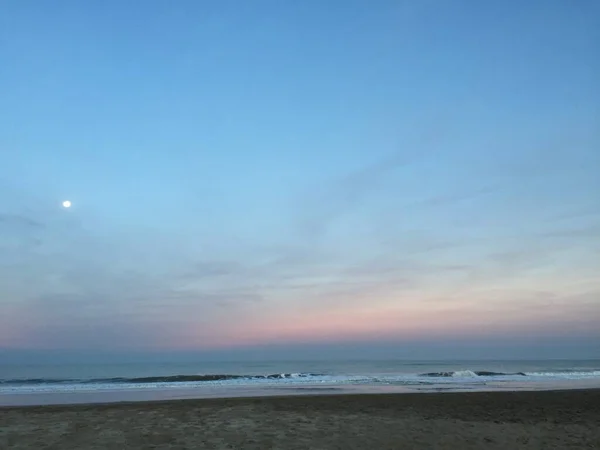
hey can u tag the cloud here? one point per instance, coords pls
(586, 232)
(576, 214)
(213, 269)
(67, 285)
(19, 221)
(19, 232)
(327, 203)
(450, 199)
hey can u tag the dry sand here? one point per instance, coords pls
(486, 420)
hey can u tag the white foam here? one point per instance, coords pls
(462, 377)
(566, 375)
(464, 374)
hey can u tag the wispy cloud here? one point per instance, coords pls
(327, 203)
(19, 221)
(69, 285)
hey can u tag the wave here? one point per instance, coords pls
(157, 379)
(26, 381)
(457, 376)
(470, 374)
(566, 373)
(559, 373)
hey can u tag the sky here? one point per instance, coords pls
(280, 178)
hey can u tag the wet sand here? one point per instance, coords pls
(486, 420)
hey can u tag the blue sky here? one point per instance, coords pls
(245, 174)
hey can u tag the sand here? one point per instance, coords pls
(478, 420)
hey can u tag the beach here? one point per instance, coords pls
(465, 420)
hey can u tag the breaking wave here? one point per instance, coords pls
(470, 374)
(567, 374)
(160, 379)
(463, 378)
(558, 374)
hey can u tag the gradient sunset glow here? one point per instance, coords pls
(394, 177)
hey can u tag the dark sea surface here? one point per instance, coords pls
(94, 377)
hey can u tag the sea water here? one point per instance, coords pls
(73, 383)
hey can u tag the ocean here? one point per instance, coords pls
(37, 384)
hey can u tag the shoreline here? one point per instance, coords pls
(8, 400)
(327, 394)
(449, 420)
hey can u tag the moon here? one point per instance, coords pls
(66, 204)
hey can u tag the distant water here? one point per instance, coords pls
(31, 379)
